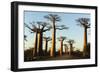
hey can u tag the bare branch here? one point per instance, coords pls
(84, 22)
(46, 29)
(70, 41)
(52, 17)
(62, 38)
(32, 29)
(47, 38)
(43, 24)
(27, 26)
(88, 26)
(61, 27)
(48, 18)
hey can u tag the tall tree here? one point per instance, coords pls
(61, 39)
(84, 22)
(46, 39)
(42, 28)
(54, 19)
(33, 29)
(39, 35)
(71, 46)
(66, 48)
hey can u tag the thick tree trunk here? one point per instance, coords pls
(35, 46)
(66, 49)
(40, 51)
(61, 48)
(51, 52)
(85, 42)
(53, 49)
(38, 47)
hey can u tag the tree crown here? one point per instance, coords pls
(84, 22)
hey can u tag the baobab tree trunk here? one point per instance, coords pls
(66, 49)
(85, 42)
(38, 47)
(35, 46)
(53, 40)
(41, 42)
(40, 51)
(61, 48)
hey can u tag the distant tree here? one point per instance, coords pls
(61, 39)
(66, 48)
(71, 45)
(46, 39)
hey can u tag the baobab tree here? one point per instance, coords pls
(33, 30)
(71, 46)
(54, 18)
(66, 48)
(39, 35)
(46, 39)
(43, 27)
(61, 39)
(84, 22)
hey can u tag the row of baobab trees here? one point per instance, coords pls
(52, 25)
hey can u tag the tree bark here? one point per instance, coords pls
(85, 42)
(61, 48)
(53, 51)
(35, 46)
(53, 44)
(40, 51)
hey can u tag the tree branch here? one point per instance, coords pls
(34, 29)
(27, 26)
(46, 29)
(62, 28)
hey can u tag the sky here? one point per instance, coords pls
(74, 31)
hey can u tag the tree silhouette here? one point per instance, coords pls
(71, 46)
(39, 35)
(33, 29)
(66, 48)
(88, 50)
(85, 23)
(46, 39)
(61, 39)
(54, 19)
